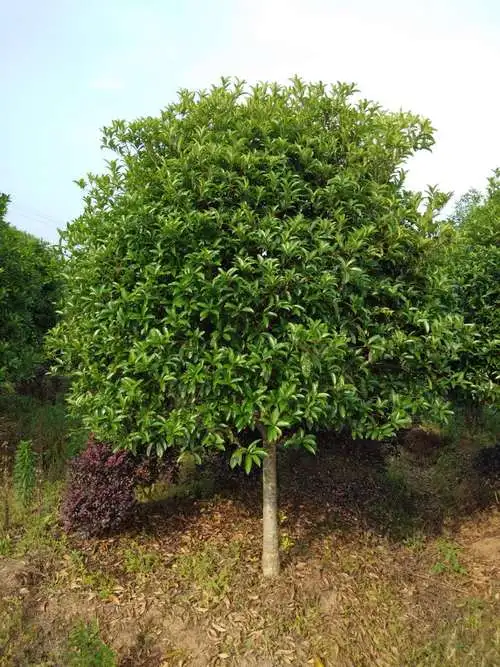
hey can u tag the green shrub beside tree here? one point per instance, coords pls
(29, 287)
(472, 262)
(252, 262)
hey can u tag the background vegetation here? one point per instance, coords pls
(30, 278)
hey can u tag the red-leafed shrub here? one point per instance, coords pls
(100, 494)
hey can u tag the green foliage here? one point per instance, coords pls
(472, 262)
(29, 288)
(210, 570)
(5, 546)
(137, 560)
(98, 581)
(252, 261)
(24, 471)
(86, 648)
(448, 559)
(54, 434)
(467, 637)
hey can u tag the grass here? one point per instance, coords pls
(11, 617)
(480, 426)
(379, 567)
(139, 561)
(210, 570)
(86, 648)
(25, 529)
(470, 637)
(94, 579)
(56, 437)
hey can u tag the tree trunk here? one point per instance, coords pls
(270, 544)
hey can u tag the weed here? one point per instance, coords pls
(32, 529)
(86, 648)
(201, 486)
(11, 621)
(472, 638)
(448, 559)
(306, 621)
(210, 569)
(139, 561)
(286, 542)
(98, 581)
(282, 517)
(47, 426)
(415, 542)
(480, 425)
(24, 472)
(5, 546)
(39, 522)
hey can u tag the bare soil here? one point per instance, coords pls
(359, 586)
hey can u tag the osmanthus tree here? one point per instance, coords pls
(472, 264)
(252, 263)
(29, 287)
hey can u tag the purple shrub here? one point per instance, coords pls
(100, 492)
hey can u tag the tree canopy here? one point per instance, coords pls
(29, 287)
(252, 261)
(472, 262)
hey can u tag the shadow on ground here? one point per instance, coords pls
(396, 491)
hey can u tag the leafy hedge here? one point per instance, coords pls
(30, 277)
(472, 264)
(253, 260)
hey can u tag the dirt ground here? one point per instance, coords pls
(385, 561)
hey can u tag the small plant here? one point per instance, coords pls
(139, 561)
(101, 490)
(24, 472)
(448, 559)
(415, 542)
(286, 541)
(210, 569)
(11, 626)
(100, 493)
(96, 580)
(86, 648)
(5, 546)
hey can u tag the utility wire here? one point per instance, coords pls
(32, 214)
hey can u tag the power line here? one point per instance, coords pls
(26, 212)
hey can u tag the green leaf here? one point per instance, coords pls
(248, 463)
(236, 458)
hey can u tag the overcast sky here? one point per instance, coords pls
(68, 67)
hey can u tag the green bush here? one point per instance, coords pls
(254, 257)
(472, 262)
(29, 288)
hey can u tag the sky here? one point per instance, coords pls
(70, 67)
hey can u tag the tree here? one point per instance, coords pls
(472, 263)
(29, 287)
(249, 268)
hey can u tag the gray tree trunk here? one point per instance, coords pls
(270, 544)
